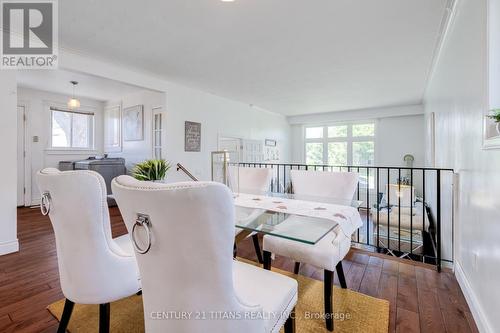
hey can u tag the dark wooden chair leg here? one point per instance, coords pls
(104, 315)
(256, 245)
(328, 299)
(296, 268)
(340, 273)
(290, 322)
(66, 315)
(267, 260)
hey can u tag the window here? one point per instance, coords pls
(157, 134)
(71, 129)
(112, 129)
(341, 144)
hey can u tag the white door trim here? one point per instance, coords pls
(27, 150)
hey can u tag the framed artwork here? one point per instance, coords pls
(270, 143)
(192, 136)
(491, 115)
(133, 123)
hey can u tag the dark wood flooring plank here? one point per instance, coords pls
(388, 290)
(431, 319)
(407, 293)
(29, 282)
(407, 321)
(371, 280)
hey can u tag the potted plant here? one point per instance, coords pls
(495, 115)
(151, 170)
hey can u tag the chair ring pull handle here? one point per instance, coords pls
(145, 222)
(45, 203)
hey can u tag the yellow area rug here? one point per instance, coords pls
(354, 312)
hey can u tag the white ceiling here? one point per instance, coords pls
(89, 86)
(288, 56)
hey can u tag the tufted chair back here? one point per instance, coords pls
(189, 266)
(93, 269)
(338, 185)
(255, 180)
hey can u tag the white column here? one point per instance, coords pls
(8, 164)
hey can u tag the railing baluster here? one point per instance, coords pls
(410, 254)
(411, 211)
(367, 206)
(378, 208)
(358, 200)
(388, 208)
(438, 218)
(399, 210)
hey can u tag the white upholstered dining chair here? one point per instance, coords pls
(187, 265)
(250, 180)
(329, 252)
(94, 268)
(255, 180)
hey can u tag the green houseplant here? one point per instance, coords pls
(151, 170)
(495, 115)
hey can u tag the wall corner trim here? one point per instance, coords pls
(9, 247)
(477, 312)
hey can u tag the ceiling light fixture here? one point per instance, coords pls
(73, 103)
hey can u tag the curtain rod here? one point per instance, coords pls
(52, 108)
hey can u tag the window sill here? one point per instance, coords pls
(58, 151)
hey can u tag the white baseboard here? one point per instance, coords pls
(9, 247)
(477, 311)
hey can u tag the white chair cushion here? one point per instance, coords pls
(325, 254)
(275, 293)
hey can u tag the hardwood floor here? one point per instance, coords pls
(422, 300)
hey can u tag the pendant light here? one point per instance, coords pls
(73, 103)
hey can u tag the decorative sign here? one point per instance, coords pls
(270, 143)
(133, 123)
(192, 136)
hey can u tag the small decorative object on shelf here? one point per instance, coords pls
(495, 115)
(151, 170)
(491, 129)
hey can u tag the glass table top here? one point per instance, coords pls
(295, 227)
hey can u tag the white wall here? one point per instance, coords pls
(218, 116)
(8, 168)
(38, 124)
(457, 95)
(137, 151)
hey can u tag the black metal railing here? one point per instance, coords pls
(413, 230)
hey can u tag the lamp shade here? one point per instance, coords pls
(73, 103)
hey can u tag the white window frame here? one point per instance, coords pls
(110, 147)
(157, 111)
(349, 139)
(91, 127)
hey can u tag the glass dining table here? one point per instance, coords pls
(292, 225)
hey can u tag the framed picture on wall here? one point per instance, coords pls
(192, 136)
(133, 123)
(491, 115)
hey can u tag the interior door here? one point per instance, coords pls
(252, 151)
(232, 146)
(21, 127)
